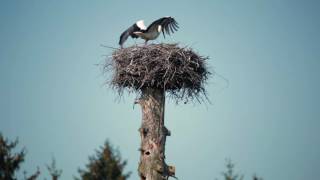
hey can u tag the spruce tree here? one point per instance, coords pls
(106, 164)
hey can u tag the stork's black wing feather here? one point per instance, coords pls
(129, 32)
(168, 24)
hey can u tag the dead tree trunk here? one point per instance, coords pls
(152, 70)
(153, 133)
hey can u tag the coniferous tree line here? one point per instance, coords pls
(105, 164)
(230, 174)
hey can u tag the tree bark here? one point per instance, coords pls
(153, 134)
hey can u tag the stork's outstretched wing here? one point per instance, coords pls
(129, 32)
(168, 25)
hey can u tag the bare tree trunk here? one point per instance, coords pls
(153, 133)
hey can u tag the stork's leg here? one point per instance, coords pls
(145, 42)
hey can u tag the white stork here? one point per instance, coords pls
(165, 25)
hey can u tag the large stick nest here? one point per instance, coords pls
(181, 72)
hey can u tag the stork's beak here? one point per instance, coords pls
(137, 33)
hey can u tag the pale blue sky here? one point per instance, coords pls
(266, 120)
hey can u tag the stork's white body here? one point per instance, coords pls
(149, 35)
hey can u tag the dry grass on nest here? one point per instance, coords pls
(181, 72)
